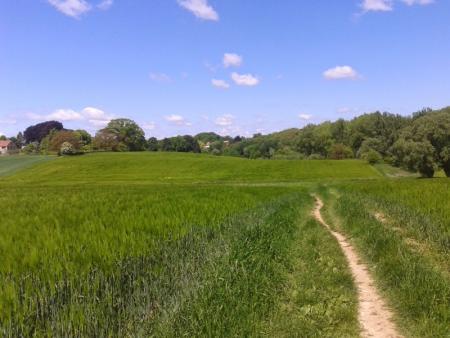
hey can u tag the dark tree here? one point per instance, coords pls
(152, 144)
(37, 132)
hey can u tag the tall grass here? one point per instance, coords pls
(216, 263)
(408, 248)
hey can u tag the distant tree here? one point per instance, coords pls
(191, 144)
(20, 140)
(152, 144)
(237, 139)
(338, 131)
(37, 132)
(85, 137)
(340, 151)
(415, 156)
(3, 138)
(128, 133)
(31, 148)
(106, 141)
(166, 145)
(435, 128)
(65, 136)
(207, 137)
(369, 144)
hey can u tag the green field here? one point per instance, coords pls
(187, 168)
(143, 244)
(12, 164)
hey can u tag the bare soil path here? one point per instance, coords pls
(373, 314)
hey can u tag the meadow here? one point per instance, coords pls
(191, 245)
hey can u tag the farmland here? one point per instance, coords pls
(176, 244)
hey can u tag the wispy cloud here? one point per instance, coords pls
(105, 4)
(177, 120)
(72, 8)
(232, 60)
(341, 73)
(418, 2)
(377, 6)
(8, 121)
(388, 5)
(245, 79)
(160, 77)
(149, 126)
(224, 120)
(220, 84)
(305, 117)
(200, 8)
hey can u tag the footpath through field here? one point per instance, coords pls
(373, 314)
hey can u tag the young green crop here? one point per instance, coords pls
(148, 167)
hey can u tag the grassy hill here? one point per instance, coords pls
(188, 168)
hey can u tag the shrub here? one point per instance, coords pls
(67, 149)
(315, 157)
(372, 156)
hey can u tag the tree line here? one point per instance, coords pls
(419, 142)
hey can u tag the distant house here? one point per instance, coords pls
(8, 148)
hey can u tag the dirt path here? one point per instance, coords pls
(373, 314)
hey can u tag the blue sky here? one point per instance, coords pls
(230, 66)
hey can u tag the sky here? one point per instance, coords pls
(228, 66)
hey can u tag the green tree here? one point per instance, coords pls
(152, 144)
(415, 156)
(340, 151)
(434, 127)
(127, 132)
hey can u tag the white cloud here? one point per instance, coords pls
(8, 121)
(94, 116)
(225, 120)
(72, 8)
(418, 2)
(200, 8)
(177, 120)
(340, 73)
(305, 117)
(377, 5)
(160, 77)
(220, 84)
(149, 126)
(245, 79)
(64, 115)
(105, 4)
(232, 60)
(2, 133)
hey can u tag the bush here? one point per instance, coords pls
(315, 157)
(31, 148)
(372, 157)
(67, 149)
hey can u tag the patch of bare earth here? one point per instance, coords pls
(373, 314)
